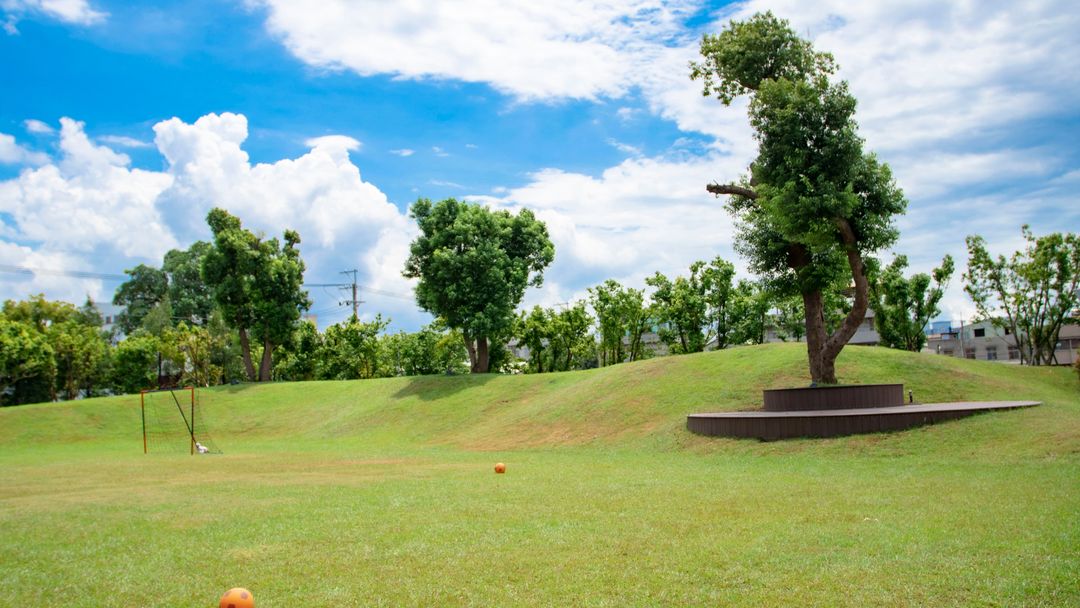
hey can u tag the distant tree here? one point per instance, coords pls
(26, 359)
(790, 319)
(1032, 293)
(134, 364)
(814, 201)
(432, 350)
(717, 279)
(534, 331)
(904, 306)
(750, 304)
(38, 313)
(191, 298)
(571, 343)
(299, 355)
(191, 349)
(474, 265)
(620, 313)
(681, 310)
(146, 288)
(81, 353)
(350, 350)
(257, 283)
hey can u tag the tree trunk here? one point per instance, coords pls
(815, 335)
(482, 361)
(245, 351)
(267, 361)
(823, 363)
(470, 346)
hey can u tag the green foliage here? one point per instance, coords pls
(146, 288)
(190, 296)
(558, 340)
(718, 278)
(750, 303)
(814, 201)
(904, 306)
(38, 313)
(1032, 293)
(750, 52)
(474, 265)
(194, 349)
(134, 364)
(622, 317)
(298, 358)
(350, 350)
(26, 360)
(257, 283)
(681, 310)
(82, 357)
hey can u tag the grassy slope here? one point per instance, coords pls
(380, 492)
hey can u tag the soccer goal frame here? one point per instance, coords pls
(189, 417)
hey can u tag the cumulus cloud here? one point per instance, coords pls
(641, 216)
(404, 152)
(88, 204)
(11, 153)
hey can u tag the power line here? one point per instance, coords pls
(104, 276)
(78, 274)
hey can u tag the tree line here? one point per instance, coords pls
(811, 212)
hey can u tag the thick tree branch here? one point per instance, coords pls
(719, 189)
(854, 318)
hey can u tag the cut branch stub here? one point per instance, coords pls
(719, 189)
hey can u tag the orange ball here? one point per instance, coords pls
(238, 597)
(500, 468)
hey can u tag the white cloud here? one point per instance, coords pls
(624, 147)
(89, 205)
(69, 11)
(437, 151)
(330, 143)
(125, 141)
(644, 215)
(37, 126)
(404, 152)
(13, 154)
(88, 199)
(538, 50)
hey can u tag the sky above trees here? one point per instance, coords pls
(123, 124)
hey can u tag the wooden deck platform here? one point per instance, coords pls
(836, 422)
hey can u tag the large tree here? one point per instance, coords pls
(622, 317)
(1032, 293)
(258, 285)
(189, 295)
(147, 288)
(474, 265)
(903, 306)
(813, 201)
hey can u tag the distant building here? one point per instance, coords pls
(982, 340)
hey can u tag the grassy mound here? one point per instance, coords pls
(381, 492)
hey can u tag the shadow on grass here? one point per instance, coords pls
(429, 388)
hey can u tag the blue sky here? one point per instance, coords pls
(122, 124)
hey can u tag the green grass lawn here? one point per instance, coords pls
(382, 493)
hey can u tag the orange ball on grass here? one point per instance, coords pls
(237, 597)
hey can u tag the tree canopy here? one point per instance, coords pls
(1032, 293)
(257, 283)
(813, 201)
(903, 306)
(474, 265)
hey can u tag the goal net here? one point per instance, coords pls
(173, 422)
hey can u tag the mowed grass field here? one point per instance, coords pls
(382, 493)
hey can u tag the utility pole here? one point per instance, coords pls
(356, 302)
